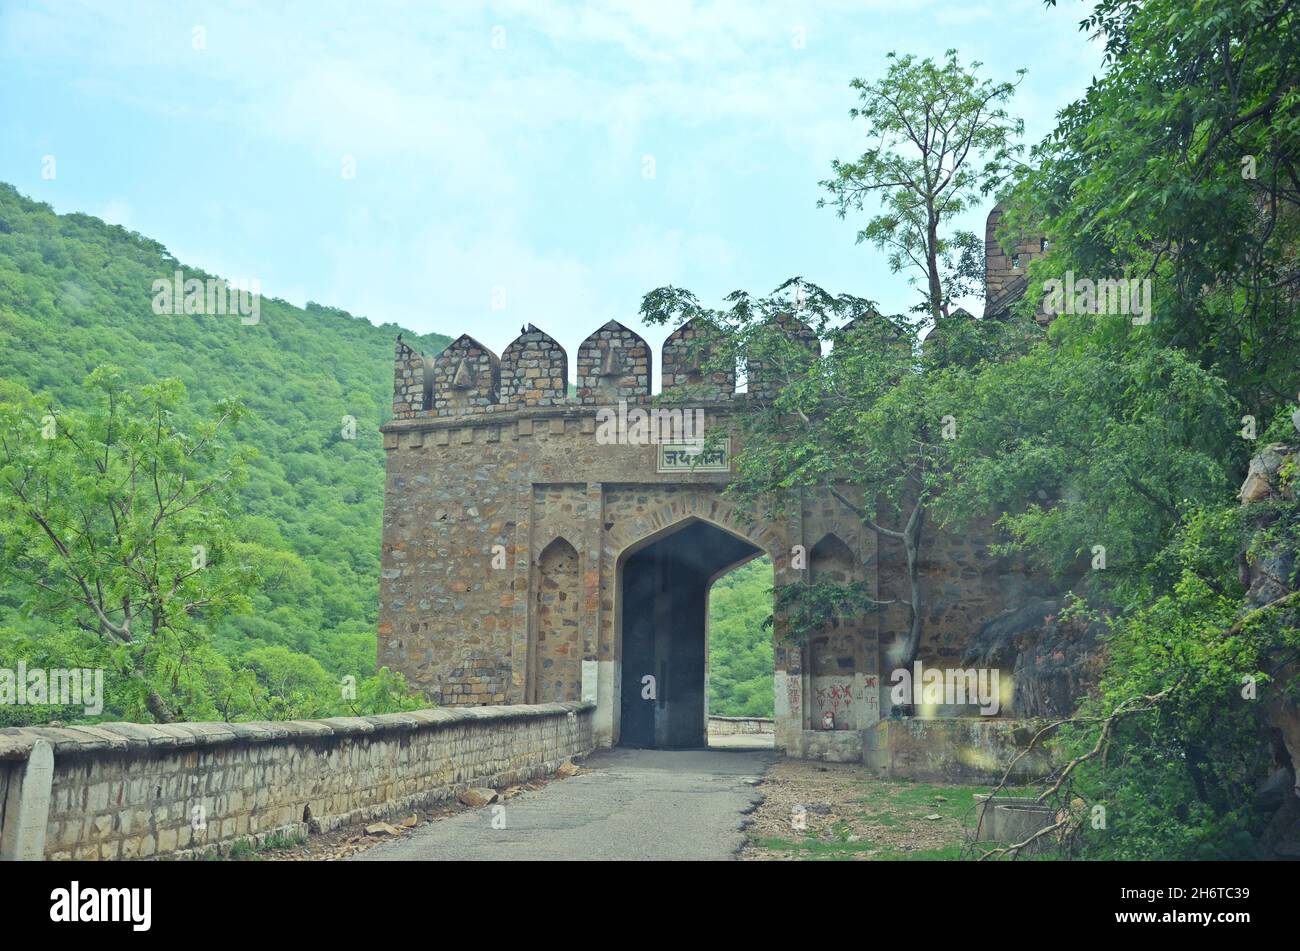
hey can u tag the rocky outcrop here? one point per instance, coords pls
(1265, 480)
(1055, 662)
(1269, 572)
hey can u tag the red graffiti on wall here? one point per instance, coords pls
(835, 700)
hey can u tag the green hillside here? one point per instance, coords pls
(76, 293)
(740, 647)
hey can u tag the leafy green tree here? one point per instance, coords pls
(385, 692)
(1168, 752)
(1178, 166)
(867, 423)
(115, 522)
(1181, 165)
(939, 135)
(293, 686)
(75, 294)
(1089, 449)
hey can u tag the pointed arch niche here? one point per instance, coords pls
(831, 659)
(555, 647)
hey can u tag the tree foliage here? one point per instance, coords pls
(304, 512)
(863, 422)
(939, 134)
(1178, 166)
(740, 643)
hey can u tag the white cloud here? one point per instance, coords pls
(521, 166)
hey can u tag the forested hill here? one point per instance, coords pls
(76, 293)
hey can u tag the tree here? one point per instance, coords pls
(1090, 447)
(115, 523)
(312, 499)
(1178, 166)
(865, 423)
(740, 647)
(1181, 164)
(932, 125)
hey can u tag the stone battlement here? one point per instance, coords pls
(614, 363)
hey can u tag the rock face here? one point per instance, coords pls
(1270, 574)
(1053, 661)
(1264, 480)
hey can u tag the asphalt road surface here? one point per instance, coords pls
(625, 804)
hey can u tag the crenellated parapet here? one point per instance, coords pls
(411, 382)
(765, 376)
(686, 369)
(534, 371)
(613, 364)
(466, 378)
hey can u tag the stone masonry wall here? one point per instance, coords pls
(957, 750)
(465, 378)
(1005, 273)
(410, 370)
(477, 492)
(613, 364)
(733, 726)
(125, 790)
(534, 371)
(685, 361)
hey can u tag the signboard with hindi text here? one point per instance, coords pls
(695, 456)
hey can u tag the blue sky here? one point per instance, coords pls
(496, 147)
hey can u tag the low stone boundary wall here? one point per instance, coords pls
(953, 750)
(827, 746)
(127, 790)
(730, 726)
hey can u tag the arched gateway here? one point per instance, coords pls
(536, 547)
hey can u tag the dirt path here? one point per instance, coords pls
(850, 816)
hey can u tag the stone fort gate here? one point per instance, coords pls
(525, 560)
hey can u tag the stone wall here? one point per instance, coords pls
(508, 526)
(125, 790)
(731, 726)
(614, 364)
(1006, 271)
(954, 750)
(465, 378)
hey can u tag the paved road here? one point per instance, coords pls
(626, 804)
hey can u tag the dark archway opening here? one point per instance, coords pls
(665, 588)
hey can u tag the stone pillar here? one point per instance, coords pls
(27, 809)
(598, 674)
(521, 607)
(788, 680)
(868, 672)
